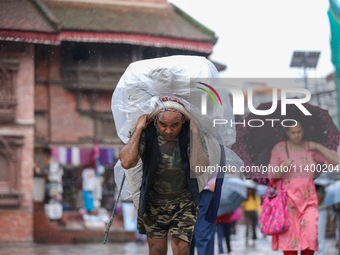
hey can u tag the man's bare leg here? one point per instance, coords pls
(179, 246)
(158, 246)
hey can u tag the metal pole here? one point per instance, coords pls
(337, 83)
(305, 77)
(114, 209)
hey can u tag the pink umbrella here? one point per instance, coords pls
(254, 144)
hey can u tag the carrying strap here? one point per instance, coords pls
(281, 181)
(270, 185)
(287, 149)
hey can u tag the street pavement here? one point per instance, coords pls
(263, 246)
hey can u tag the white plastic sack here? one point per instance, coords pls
(54, 211)
(214, 151)
(138, 93)
(134, 177)
(133, 181)
(119, 173)
(144, 82)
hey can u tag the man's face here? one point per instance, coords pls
(170, 124)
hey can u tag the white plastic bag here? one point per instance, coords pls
(214, 152)
(144, 82)
(134, 177)
(139, 91)
(119, 173)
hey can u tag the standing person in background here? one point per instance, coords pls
(237, 216)
(302, 201)
(168, 196)
(337, 229)
(321, 193)
(251, 208)
(223, 228)
(204, 233)
(88, 185)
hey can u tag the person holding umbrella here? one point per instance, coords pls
(233, 193)
(254, 144)
(252, 209)
(302, 200)
(332, 199)
(223, 229)
(320, 191)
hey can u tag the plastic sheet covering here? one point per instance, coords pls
(144, 82)
(214, 151)
(119, 172)
(139, 90)
(134, 177)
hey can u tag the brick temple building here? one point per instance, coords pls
(60, 61)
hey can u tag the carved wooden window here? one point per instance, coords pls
(10, 170)
(105, 129)
(89, 66)
(4, 180)
(8, 70)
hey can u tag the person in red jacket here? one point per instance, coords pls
(223, 227)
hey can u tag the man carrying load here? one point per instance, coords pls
(168, 196)
(165, 144)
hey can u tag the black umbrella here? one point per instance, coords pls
(254, 144)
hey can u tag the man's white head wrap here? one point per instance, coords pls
(170, 104)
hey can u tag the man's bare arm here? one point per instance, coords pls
(129, 154)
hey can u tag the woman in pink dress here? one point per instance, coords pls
(302, 158)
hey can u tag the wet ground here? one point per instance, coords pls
(263, 246)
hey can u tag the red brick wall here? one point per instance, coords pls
(58, 121)
(42, 127)
(55, 63)
(25, 85)
(67, 126)
(42, 64)
(85, 102)
(41, 98)
(16, 225)
(103, 102)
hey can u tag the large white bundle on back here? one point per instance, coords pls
(145, 82)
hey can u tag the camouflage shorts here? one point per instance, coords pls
(178, 219)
